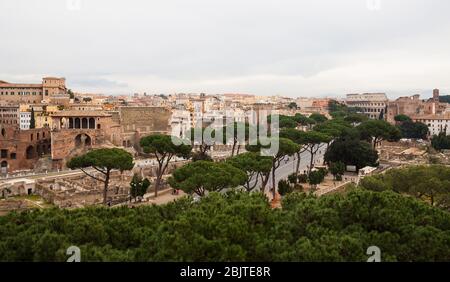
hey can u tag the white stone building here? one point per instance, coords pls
(436, 123)
(24, 120)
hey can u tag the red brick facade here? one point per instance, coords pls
(20, 149)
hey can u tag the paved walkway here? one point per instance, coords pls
(164, 198)
(331, 188)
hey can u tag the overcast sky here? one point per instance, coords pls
(262, 47)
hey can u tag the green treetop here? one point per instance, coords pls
(103, 161)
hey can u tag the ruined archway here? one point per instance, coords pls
(44, 148)
(30, 152)
(4, 167)
(83, 140)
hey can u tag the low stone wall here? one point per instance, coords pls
(150, 170)
(9, 205)
(16, 187)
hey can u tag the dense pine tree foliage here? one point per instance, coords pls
(236, 227)
(428, 183)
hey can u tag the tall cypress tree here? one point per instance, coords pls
(32, 120)
(381, 115)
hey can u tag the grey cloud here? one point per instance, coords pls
(96, 83)
(187, 43)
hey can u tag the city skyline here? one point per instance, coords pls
(245, 133)
(292, 48)
(424, 93)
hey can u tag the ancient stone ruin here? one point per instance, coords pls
(82, 190)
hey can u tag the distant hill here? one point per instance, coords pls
(444, 99)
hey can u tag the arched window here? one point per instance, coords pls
(84, 123)
(70, 123)
(77, 123)
(92, 123)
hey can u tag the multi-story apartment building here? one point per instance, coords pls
(371, 104)
(42, 113)
(51, 90)
(9, 115)
(436, 123)
(25, 120)
(238, 99)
